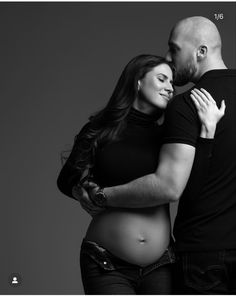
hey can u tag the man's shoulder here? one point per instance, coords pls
(181, 100)
(217, 74)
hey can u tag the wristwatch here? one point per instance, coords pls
(100, 198)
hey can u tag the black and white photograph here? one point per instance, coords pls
(118, 142)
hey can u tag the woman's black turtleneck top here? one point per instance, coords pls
(134, 155)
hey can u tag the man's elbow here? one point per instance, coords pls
(167, 189)
(173, 194)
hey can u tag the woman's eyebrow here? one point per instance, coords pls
(162, 75)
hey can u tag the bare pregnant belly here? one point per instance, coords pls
(138, 236)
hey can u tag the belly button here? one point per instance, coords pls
(142, 240)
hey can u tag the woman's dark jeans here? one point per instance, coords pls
(104, 273)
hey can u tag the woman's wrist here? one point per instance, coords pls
(76, 191)
(208, 131)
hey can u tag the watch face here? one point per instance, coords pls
(100, 198)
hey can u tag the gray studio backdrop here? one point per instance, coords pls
(60, 63)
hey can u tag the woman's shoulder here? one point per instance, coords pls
(86, 132)
(85, 128)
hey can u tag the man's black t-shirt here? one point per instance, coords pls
(207, 220)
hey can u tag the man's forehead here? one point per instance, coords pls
(173, 43)
(177, 38)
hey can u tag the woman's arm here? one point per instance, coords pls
(67, 178)
(70, 174)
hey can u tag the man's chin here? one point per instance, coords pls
(184, 76)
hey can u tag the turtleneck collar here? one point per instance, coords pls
(138, 117)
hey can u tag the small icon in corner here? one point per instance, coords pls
(15, 279)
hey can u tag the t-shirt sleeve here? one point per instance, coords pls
(69, 174)
(181, 123)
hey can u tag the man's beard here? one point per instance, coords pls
(185, 75)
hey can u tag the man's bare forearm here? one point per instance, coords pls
(161, 187)
(147, 191)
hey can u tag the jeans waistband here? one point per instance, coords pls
(108, 261)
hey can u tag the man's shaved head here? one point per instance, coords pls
(199, 31)
(194, 48)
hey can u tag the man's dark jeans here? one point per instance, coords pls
(104, 273)
(206, 272)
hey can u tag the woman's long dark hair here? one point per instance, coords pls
(106, 125)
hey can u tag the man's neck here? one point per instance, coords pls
(216, 65)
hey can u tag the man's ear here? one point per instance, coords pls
(202, 52)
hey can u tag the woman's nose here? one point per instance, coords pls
(169, 88)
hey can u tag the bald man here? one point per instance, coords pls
(205, 227)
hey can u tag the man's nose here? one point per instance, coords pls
(168, 57)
